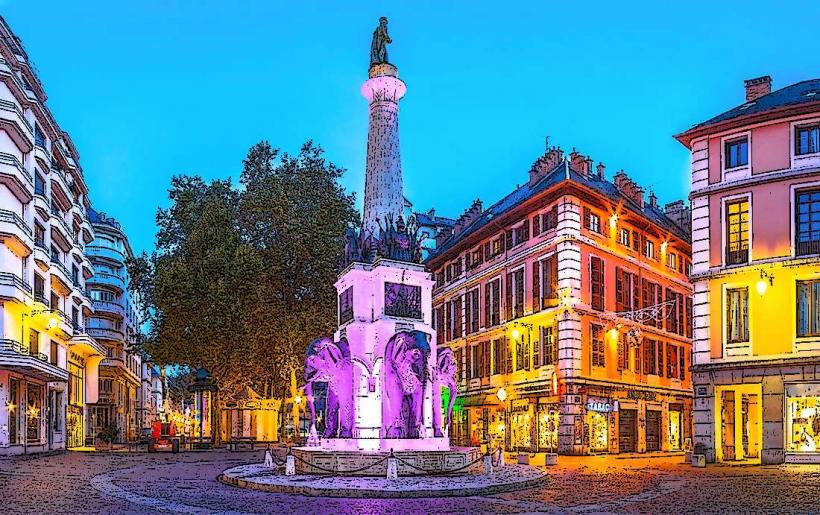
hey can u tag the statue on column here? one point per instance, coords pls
(378, 47)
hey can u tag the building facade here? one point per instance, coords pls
(48, 361)
(115, 325)
(756, 276)
(567, 307)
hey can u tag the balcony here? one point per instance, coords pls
(60, 227)
(40, 151)
(13, 287)
(60, 186)
(107, 279)
(15, 356)
(41, 254)
(111, 308)
(42, 205)
(807, 248)
(15, 177)
(105, 253)
(16, 126)
(737, 257)
(15, 233)
(105, 333)
(59, 271)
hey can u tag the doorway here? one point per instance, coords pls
(739, 422)
(653, 430)
(627, 430)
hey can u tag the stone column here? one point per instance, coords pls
(383, 191)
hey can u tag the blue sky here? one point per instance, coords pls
(152, 88)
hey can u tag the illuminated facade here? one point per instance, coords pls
(567, 307)
(756, 275)
(115, 325)
(48, 361)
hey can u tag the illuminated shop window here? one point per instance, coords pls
(803, 417)
(737, 315)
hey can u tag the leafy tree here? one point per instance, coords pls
(242, 278)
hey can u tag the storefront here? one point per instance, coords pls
(739, 435)
(803, 422)
(548, 421)
(76, 402)
(522, 427)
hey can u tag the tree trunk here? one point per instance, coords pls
(216, 419)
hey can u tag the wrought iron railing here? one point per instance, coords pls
(737, 257)
(805, 248)
(7, 105)
(10, 279)
(11, 160)
(12, 217)
(9, 345)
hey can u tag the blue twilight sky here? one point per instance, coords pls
(152, 88)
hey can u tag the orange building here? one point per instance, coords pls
(756, 275)
(567, 306)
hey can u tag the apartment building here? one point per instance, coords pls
(756, 276)
(48, 361)
(568, 308)
(115, 325)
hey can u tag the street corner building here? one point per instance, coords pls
(568, 309)
(50, 358)
(756, 276)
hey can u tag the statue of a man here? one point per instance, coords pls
(378, 48)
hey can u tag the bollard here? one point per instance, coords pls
(500, 458)
(268, 459)
(488, 463)
(290, 464)
(392, 467)
(699, 460)
(551, 459)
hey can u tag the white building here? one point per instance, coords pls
(48, 362)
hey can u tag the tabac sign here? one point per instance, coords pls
(601, 405)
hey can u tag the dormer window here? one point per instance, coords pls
(623, 239)
(736, 153)
(807, 140)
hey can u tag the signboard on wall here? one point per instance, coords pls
(602, 405)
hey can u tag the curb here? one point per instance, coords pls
(383, 494)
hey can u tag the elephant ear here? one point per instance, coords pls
(444, 355)
(332, 352)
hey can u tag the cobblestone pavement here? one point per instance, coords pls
(160, 483)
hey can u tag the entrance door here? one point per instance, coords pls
(653, 431)
(627, 430)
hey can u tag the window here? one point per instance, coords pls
(592, 221)
(808, 308)
(492, 303)
(736, 153)
(455, 318)
(737, 232)
(471, 311)
(808, 222)
(671, 361)
(33, 342)
(545, 282)
(345, 304)
(474, 258)
(649, 249)
(522, 354)
(672, 260)
(623, 237)
(76, 384)
(518, 235)
(498, 357)
(485, 358)
(596, 276)
(548, 347)
(652, 295)
(515, 294)
(627, 291)
(674, 312)
(52, 357)
(34, 412)
(14, 415)
(737, 315)
(806, 140)
(549, 219)
(459, 364)
(597, 344)
(650, 357)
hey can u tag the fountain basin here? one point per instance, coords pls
(356, 462)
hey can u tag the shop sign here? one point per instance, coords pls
(601, 405)
(640, 394)
(520, 405)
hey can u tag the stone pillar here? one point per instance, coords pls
(383, 190)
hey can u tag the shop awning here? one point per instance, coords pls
(468, 401)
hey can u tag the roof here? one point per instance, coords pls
(437, 221)
(802, 93)
(562, 172)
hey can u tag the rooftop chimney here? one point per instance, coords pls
(580, 163)
(545, 164)
(600, 170)
(468, 216)
(653, 199)
(628, 188)
(756, 88)
(443, 235)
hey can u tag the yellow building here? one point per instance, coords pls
(756, 274)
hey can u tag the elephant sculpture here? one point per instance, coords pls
(444, 376)
(406, 374)
(329, 361)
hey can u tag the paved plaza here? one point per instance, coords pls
(79, 482)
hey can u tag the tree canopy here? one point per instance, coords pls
(242, 277)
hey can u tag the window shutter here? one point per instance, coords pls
(689, 321)
(536, 225)
(487, 250)
(619, 289)
(536, 286)
(660, 362)
(645, 288)
(526, 230)
(596, 266)
(469, 367)
(468, 259)
(621, 352)
(487, 319)
(536, 351)
(480, 254)
(659, 300)
(486, 347)
(552, 267)
(508, 292)
(587, 214)
(636, 292)
(636, 241)
(509, 238)
(468, 313)
(682, 358)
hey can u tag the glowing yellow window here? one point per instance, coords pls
(737, 232)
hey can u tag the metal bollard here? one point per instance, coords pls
(268, 459)
(488, 463)
(392, 467)
(290, 466)
(500, 458)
